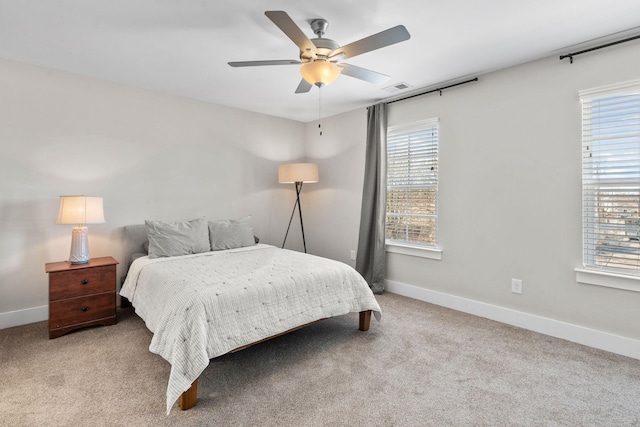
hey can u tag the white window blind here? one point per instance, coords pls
(611, 177)
(412, 183)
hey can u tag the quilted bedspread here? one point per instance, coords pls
(204, 305)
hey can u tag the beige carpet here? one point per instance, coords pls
(423, 365)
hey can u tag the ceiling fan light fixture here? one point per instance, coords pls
(320, 73)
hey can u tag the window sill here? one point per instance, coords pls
(417, 251)
(607, 279)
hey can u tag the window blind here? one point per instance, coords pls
(412, 183)
(611, 177)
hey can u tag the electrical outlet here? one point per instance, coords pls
(516, 286)
(353, 254)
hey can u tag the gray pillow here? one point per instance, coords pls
(177, 238)
(231, 234)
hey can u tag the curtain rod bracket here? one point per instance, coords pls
(569, 55)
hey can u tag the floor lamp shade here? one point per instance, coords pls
(297, 172)
(80, 210)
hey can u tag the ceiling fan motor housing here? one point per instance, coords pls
(324, 47)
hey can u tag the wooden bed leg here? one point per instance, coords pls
(365, 320)
(187, 400)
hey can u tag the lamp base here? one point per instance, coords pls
(299, 206)
(79, 245)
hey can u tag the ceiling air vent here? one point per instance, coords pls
(397, 87)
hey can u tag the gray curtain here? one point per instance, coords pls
(370, 261)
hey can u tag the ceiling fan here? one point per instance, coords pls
(320, 57)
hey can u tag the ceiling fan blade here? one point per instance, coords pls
(291, 30)
(382, 39)
(260, 63)
(304, 86)
(363, 74)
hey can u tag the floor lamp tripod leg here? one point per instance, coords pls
(290, 219)
(297, 203)
(298, 189)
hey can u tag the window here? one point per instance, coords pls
(412, 184)
(611, 177)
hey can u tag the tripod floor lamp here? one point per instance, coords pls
(298, 174)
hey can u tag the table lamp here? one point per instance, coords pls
(80, 210)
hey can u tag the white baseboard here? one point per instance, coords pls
(24, 317)
(590, 337)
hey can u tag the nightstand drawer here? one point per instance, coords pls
(83, 309)
(73, 283)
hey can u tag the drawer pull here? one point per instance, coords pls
(84, 281)
(85, 308)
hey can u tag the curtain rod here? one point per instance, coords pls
(572, 54)
(440, 89)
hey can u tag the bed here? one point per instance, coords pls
(202, 305)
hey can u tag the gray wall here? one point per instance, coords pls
(509, 195)
(149, 155)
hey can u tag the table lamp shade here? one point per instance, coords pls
(297, 172)
(80, 210)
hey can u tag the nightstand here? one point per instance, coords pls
(81, 295)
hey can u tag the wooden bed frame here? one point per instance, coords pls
(134, 237)
(187, 400)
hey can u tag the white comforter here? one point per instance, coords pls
(205, 305)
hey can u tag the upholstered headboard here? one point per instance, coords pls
(135, 239)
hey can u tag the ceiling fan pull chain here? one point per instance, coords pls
(320, 109)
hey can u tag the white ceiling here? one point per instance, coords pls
(182, 47)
